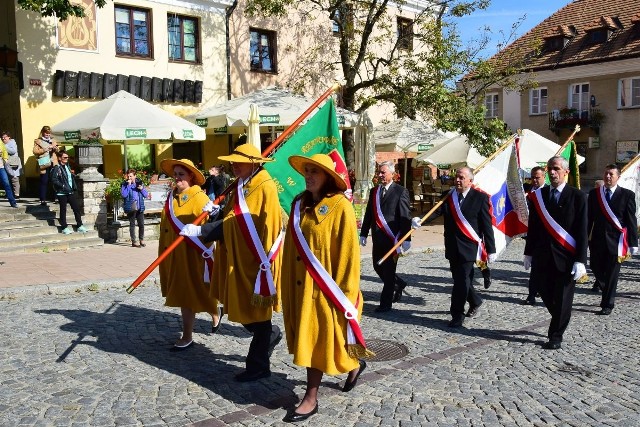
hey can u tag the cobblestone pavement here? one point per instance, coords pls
(96, 356)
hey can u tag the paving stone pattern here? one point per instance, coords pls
(81, 357)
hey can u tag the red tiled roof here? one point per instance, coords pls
(621, 17)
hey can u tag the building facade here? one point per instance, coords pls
(588, 74)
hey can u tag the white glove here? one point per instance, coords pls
(363, 241)
(492, 258)
(416, 222)
(211, 208)
(191, 230)
(348, 194)
(578, 270)
(526, 261)
(406, 245)
(633, 250)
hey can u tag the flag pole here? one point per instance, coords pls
(437, 205)
(631, 163)
(561, 149)
(267, 152)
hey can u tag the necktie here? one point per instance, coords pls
(607, 195)
(384, 192)
(554, 196)
(460, 199)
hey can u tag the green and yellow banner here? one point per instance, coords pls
(319, 135)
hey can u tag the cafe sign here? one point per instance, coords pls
(135, 133)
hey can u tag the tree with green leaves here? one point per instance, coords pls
(61, 9)
(424, 71)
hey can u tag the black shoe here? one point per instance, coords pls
(486, 274)
(527, 302)
(13, 205)
(604, 312)
(349, 385)
(246, 376)
(473, 311)
(381, 309)
(214, 328)
(552, 345)
(455, 323)
(294, 417)
(43, 203)
(274, 342)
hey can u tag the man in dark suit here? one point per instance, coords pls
(556, 248)
(537, 181)
(611, 215)
(461, 250)
(391, 200)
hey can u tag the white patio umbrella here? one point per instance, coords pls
(407, 135)
(452, 154)
(253, 133)
(124, 118)
(536, 150)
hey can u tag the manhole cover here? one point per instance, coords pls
(386, 350)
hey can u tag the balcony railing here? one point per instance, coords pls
(568, 119)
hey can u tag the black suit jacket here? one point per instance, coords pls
(571, 215)
(476, 210)
(603, 235)
(396, 211)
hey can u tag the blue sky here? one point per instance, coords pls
(501, 15)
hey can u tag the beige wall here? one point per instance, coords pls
(301, 66)
(39, 51)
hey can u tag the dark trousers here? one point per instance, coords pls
(606, 269)
(386, 271)
(463, 290)
(263, 335)
(136, 216)
(6, 185)
(533, 285)
(44, 185)
(556, 289)
(71, 199)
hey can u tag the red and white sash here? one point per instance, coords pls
(623, 247)
(466, 228)
(328, 286)
(555, 230)
(264, 291)
(379, 217)
(194, 242)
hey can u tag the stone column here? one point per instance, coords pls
(94, 205)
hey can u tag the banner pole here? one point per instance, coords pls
(267, 152)
(437, 205)
(631, 163)
(561, 149)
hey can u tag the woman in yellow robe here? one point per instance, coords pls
(316, 329)
(182, 272)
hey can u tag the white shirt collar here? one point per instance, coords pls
(613, 189)
(560, 187)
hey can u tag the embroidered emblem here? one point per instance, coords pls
(184, 197)
(323, 210)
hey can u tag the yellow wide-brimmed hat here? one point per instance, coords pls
(245, 153)
(324, 162)
(167, 167)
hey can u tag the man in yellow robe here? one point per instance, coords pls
(237, 264)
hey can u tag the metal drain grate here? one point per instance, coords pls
(386, 350)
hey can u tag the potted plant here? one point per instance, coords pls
(89, 153)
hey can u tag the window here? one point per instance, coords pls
(491, 105)
(597, 36)
(405, 34)
(538, 101)
(555, 43)
(262, 50)
(629, 92)
(579, 96)
(133, 32)
(184, 36)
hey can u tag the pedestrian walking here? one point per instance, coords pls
(13, 164)
(556, 247)
(4, 177)
(133, 194)
(388, 217)
(537, 181)
(45, 148)
(65, 187)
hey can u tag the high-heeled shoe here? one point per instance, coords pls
(349, 385)
(214, 328)
(294, 417)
